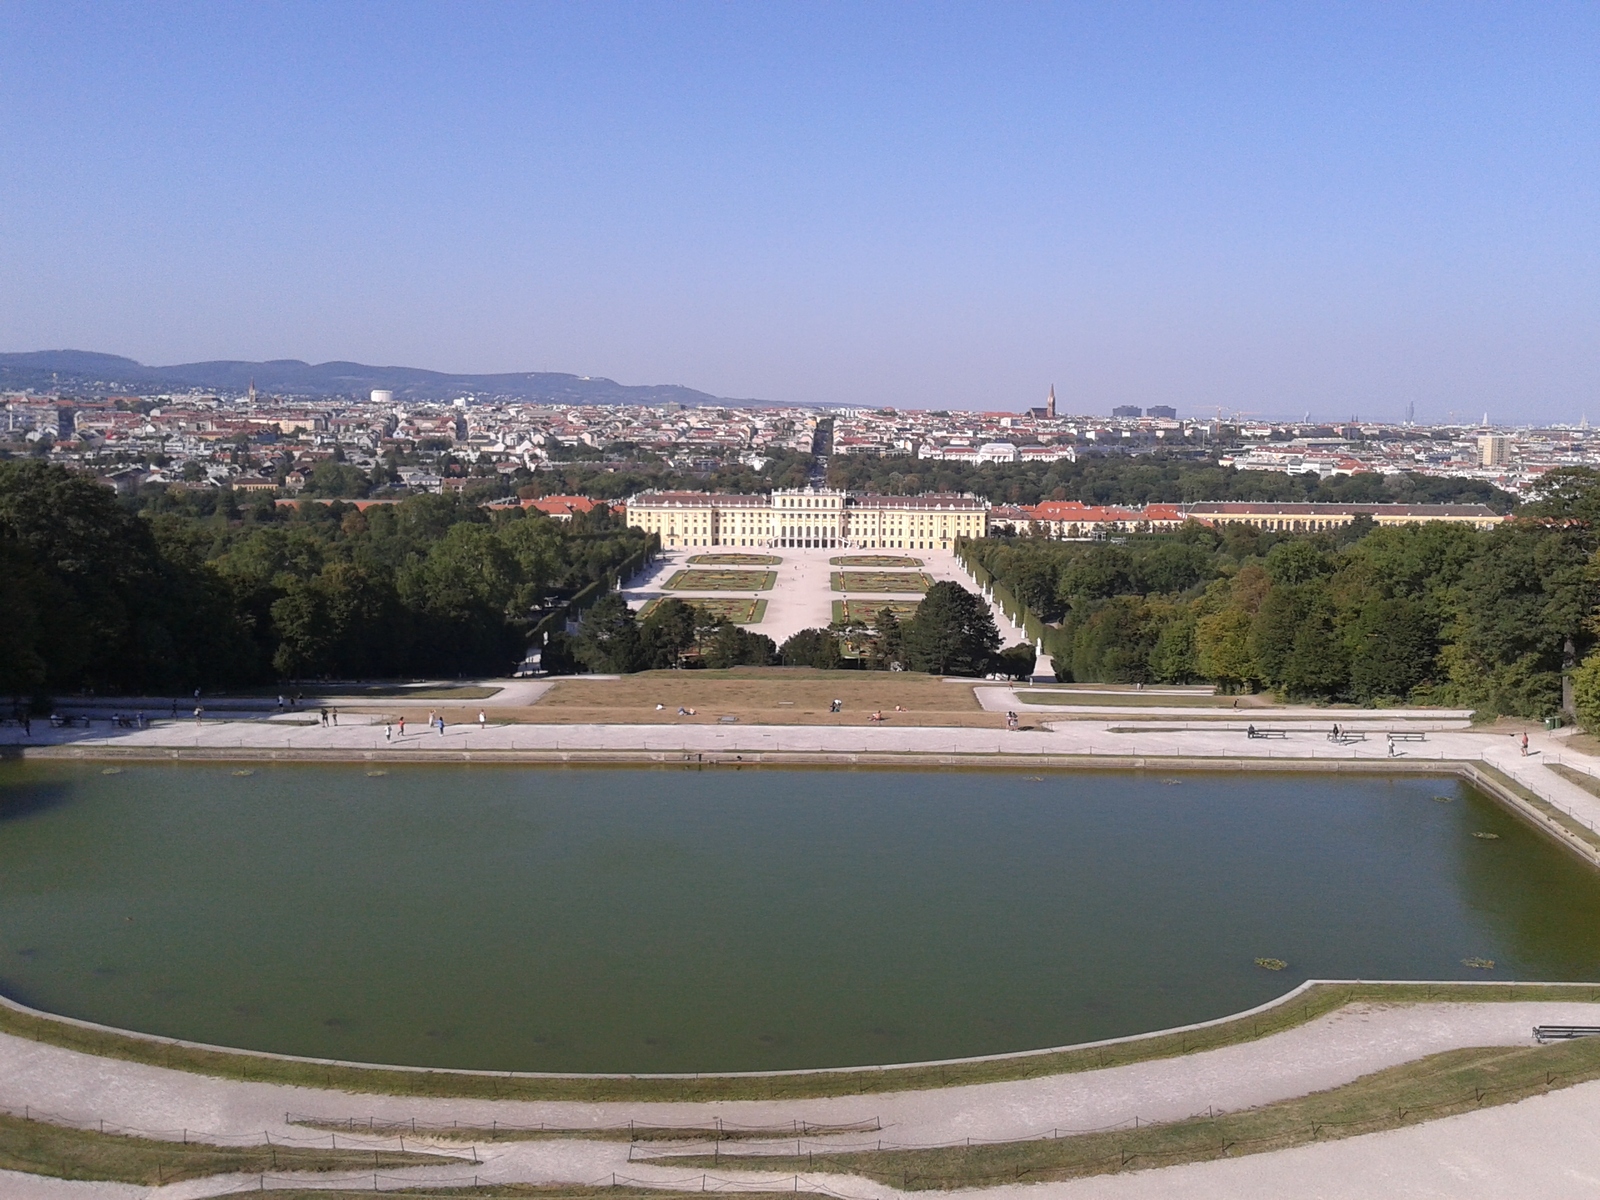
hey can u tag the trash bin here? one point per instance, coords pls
(1552, 722)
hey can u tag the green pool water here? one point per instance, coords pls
(631, 920)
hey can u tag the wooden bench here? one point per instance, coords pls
(1408, 737)
(1267, 733)
(1556, 1033)
(1346, 737)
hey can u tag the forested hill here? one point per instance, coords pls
(1149, 479)
(101, 374)
(1431, 613)
(174, 591)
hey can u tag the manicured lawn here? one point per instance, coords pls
(880, 581)
(874, 560)
(736, 612)
(725, 580)
(734, 560)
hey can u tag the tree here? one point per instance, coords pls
(953, 632)
(734, 646)
(669, 632)
(1222, 648)
(1172, 658)
(1016, 662)
(887, 643)
(1393, 646)
(812, 648)
(1586, 692)
(609, 639)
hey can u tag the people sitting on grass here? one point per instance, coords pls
(877, 716)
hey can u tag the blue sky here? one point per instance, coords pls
(1274, 208)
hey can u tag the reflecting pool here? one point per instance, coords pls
(721, 919)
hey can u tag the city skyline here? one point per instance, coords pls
(1362, 211)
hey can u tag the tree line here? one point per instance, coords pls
(952, 633)
(1159, 478)
(170, 589)
(1433, 613)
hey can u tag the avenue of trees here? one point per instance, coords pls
(1434, 613)
(173, 590)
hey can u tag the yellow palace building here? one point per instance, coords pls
(810, 519)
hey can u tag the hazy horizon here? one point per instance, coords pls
(1344, 210)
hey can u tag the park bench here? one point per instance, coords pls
(1347, 736)
(1555, 1033)
(1408, 737)
(1267, 733)
(727, 720)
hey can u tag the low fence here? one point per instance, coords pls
(718, 1131)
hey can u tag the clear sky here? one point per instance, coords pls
(1271, 207)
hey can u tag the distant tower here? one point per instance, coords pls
(1050, 404)
(251, 395)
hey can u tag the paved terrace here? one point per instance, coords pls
(1075, 737)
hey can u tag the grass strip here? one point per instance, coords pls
(1316, 1001)
(1440, 1085)
(1558, 816)
(41, 1148)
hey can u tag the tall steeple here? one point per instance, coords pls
(1050, 404)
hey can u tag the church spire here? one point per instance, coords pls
(1050, 404)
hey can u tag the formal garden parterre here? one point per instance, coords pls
(734, 560)
(723, 580)
(720, 609)
(874, 560)
(881, 581)
(865, 612)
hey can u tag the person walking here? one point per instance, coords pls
(198, 713)
(387, 732)
(402, 724)
(1524, 744)
(480, 720)
(440, 723)
(334, 713)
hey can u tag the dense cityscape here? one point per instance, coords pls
(383, 446)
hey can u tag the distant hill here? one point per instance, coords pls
(86, 373)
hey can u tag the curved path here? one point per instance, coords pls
(1328, 1051)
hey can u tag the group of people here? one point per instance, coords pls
(435, 721)
(328, 714)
